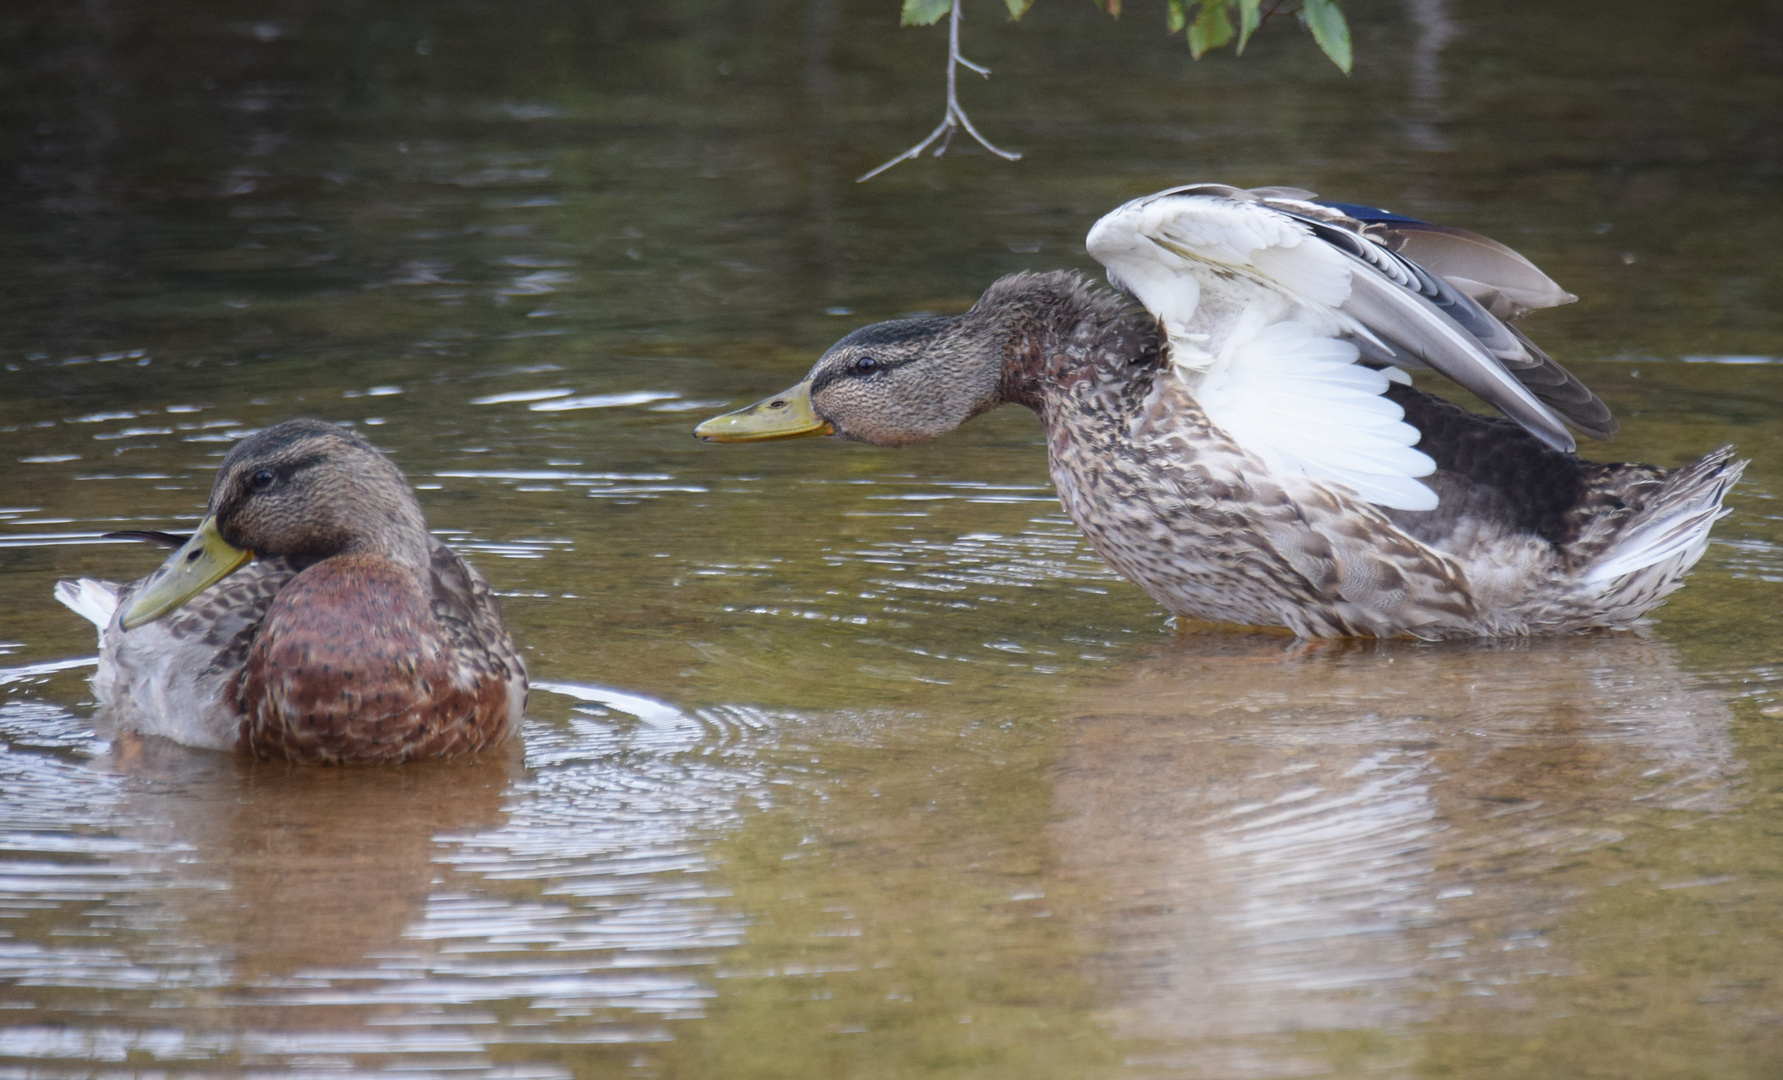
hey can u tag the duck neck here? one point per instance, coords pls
(376, 515)
(393, 529)
(1056, 332)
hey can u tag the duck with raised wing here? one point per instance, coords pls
(312, 617)
(1248, 448)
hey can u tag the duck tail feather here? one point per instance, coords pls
(1674, 527)
(93, 600)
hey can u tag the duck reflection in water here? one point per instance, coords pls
(294, 870)
(1272, 844)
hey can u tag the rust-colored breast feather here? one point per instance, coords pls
(350, 665)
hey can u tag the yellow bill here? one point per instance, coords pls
(786, 415)
(206, 559)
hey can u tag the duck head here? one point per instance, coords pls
(303, 490)
(889, 384)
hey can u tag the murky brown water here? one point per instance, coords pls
(847, 762)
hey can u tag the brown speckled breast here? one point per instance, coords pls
(352, 665)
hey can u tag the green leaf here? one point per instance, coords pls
(1175, 16)
(1211, 28)
(1113, 7)
(1018, 8)
(926, 12)
(1330, 30)
(1248, 20)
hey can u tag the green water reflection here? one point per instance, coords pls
(856, 762)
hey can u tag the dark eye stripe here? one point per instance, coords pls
(282, 471)
(852, 371)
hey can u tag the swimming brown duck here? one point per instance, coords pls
(1248, 448)
(311, 617)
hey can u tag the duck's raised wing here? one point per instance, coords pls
(1200, 256)
(1498, 279)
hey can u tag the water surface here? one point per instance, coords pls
(845, 761)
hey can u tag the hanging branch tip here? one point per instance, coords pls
(955, 117)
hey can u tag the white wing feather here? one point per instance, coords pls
(1301, 403)
(1249, 302)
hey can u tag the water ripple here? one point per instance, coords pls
(570, 904)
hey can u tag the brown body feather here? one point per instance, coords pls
(350, 665)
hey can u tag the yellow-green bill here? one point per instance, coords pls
(206, 559)
(786, 415)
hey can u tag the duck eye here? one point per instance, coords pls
(262, 480)
(866, 365)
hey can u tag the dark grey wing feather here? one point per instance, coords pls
(1503, 281)
(1506, 285)
(1562, 391)
(1427, 333)
(1452, 301)
(1491, 283)
(1417, 313)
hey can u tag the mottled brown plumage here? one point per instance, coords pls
(1211, 531)
(355, 636)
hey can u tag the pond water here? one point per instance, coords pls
(846, 762)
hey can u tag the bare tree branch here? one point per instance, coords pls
(955, 117)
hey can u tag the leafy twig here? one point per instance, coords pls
(955, 117)
(1215, 24)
